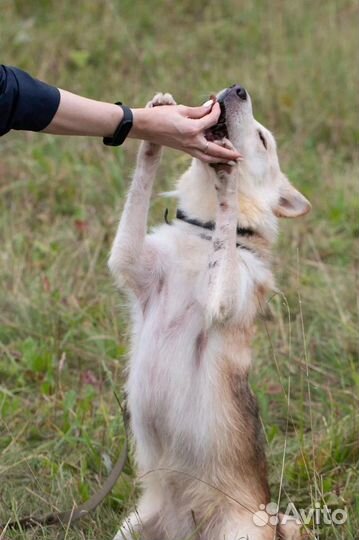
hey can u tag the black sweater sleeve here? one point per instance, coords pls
(25, 103)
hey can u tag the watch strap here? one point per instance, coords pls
(122, 129)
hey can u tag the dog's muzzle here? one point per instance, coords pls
(219, 131)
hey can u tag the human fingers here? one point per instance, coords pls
(209, 119)
(206, 158)
(199, 112)
(220, 152)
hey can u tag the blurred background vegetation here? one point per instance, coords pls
(64, 328)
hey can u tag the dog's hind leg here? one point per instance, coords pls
(135, 528)
(130, 262)
(242, 527)
(144, 522)
(289, 528)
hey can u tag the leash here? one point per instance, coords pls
(71, 516)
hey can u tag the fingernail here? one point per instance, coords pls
(208, 103)
(231, 163)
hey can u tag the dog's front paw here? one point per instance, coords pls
(161, 99)
(226, 174)
(223, 170)
(151, 150)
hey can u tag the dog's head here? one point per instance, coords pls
(264, 192)
(258, 147)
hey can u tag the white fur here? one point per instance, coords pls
(194, 296)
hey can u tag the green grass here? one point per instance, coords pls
(64, 328)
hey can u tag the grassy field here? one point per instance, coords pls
(63, 327)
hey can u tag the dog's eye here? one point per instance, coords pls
(264, 142)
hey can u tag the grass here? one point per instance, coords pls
(63, 327)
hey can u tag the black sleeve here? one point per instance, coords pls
(25, 103)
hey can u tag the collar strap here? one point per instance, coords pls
(210, 225)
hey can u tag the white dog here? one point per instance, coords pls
(195, 286)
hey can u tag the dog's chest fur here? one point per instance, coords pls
(187, 385)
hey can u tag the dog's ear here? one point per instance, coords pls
(291, 202)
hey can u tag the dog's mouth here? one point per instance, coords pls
(218, 131)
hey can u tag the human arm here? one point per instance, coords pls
(176, 126)
(29, 104)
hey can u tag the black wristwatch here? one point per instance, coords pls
(122, 129)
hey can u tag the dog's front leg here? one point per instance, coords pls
(223, 257)
(129, 259)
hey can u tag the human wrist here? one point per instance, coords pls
(141, 123)
(123, 128)
(113, 118)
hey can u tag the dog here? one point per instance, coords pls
(195, 286)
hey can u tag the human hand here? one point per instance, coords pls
(182, 128)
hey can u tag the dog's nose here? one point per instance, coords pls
(241, 92)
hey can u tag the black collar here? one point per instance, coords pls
(210, 225)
